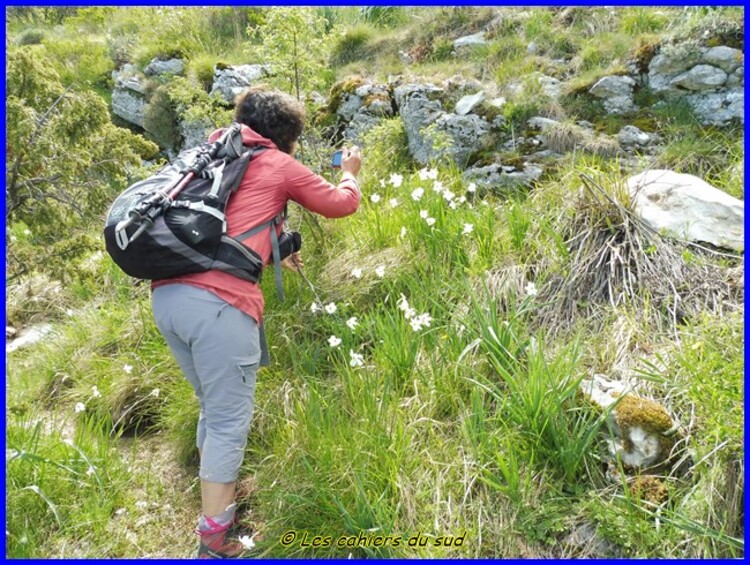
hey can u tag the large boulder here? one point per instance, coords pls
(502, 179)
(363, 109)
(419, 107)
(466, 135)
(701, 77)
(718, 108)
(231, 81)
(195, 132)
(689, 208)
(471, 40)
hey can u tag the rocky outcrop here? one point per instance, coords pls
(471, 40)
(688, 208)
(710, 79)
(363, 109)
(129, 95)
(503, 178)
(419, 107)
(231, 81)
(196, 132)
(631, 137)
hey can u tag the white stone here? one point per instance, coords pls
(612, 86)
(631, 135)
(541, 123)
(619, 105)
(129, 106)
(645, 448)
(28, 337)
(468, 103)
(701, 77)
(171, 66)
(231, 81)
(718, 108)
(551, 86)
(689, 208)
(475, 39)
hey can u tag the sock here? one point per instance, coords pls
(223, 519)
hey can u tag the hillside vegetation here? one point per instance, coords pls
(426, 387)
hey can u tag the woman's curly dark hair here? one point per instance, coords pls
(272, 114)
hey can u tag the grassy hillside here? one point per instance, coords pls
(446, 414)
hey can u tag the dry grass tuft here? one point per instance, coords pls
(616, 259)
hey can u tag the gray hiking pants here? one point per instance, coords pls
(218, 347)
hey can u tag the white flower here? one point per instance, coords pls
(425, 174)
(26, 232)
(448, 195)
(247, 542)
(418, 322)
(423, 214)
(417, 193)
(375, 198)
(155, 393)
(430, 221)
(452, 205)
(402, 304)
(462, 199)
(485, 203)
(468, 228)
(90, 471)
(356, 272)
(95, 392)
(128, 369)
(396, 180)
(314, 307)
(334, 341)
(141, 505)
(357, 359)
(393, 202)
(352, 323)
(69, 313)
(382, 183)
(120, 512)
(80, 407)
(409, 313)
(13, 238)
(331, 308)
(380, 271)
(472, 187)
(438, 186)
(403, 231)
(531, 289)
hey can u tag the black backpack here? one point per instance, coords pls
(173, 223)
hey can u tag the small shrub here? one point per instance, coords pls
(32, 36)
(201, 67)
(643, 20)
(352, 46)
(161, 120)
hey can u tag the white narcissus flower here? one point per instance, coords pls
(314, 307)
(438, 187)
(128, 369)
(352, 323)
(380, 271)
(396, 180)
(472, 187)
(430, 221)
(382, 183)
(356, 272)
(141, 505)
(448, 195)
(452, 205)
(468, 228)
(247, 542)
(375, 198)
(357, 359)
(90, 471)
(79, 407)
(393, 202)
(403, 231)
(402, 304)
(95, 392)
(417, 194)
(531, 289)
(423, 214)
(331, 308)
(334, 341)
(155, 393)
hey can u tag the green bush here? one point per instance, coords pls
(201, 67)
(32, 36)
(351, 46)
(161, 119)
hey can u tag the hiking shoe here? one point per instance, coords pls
(218, 543)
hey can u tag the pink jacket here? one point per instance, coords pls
(272, 178)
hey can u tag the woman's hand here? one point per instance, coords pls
(351, 161)
(292, 262)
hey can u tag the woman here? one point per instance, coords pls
(211, 320)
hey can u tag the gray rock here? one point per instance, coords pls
(726, 58)
(196, 132)
(468, 103)
(466, 133)
(129, 105)
(551, 86)
(230, 82)
(129, 79)
(737, 78)
(349, 106)
(475, 39)
(689, 208)
(498, 102)
(612, 86)
(700, 77)
(584, 538)
(364, 109)
(671, 62)
(418, 110)
(718, 108)
(631, 135)
(127, 70)
(171, 66)
(492, 177)
(541, 123)
(585, 124)
(532, 48)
